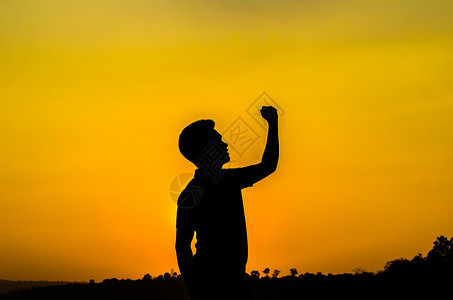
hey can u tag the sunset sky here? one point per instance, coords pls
(94, 94)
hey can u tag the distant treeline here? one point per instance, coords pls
(429, 277)
(9, 285)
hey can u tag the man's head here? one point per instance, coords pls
(200, 141)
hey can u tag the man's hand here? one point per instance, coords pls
(269, 113)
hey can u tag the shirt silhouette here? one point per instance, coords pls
(211, 205)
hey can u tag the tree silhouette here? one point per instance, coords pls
(275, 274)
(397, 265)
(146, 277)
(359, 270)
(173, 273)
(418, 259)
(266, 271)
(293, 272)
(442, 250)
(255, 274)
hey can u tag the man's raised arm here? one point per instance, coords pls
(254, 173)
(269, 160)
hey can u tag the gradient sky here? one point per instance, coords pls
(94, 94)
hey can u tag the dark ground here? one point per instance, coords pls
(429, 277)
(307, 286)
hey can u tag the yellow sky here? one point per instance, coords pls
(93, 96)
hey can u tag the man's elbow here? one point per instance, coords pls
(270, 167)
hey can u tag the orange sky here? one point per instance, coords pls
(93, 96)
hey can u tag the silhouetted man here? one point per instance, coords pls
(211, 205)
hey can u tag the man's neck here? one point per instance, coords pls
(213, 175)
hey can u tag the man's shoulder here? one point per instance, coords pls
(191, 194)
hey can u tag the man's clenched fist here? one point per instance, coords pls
(269, 113)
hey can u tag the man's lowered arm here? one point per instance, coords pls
(184, 256)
